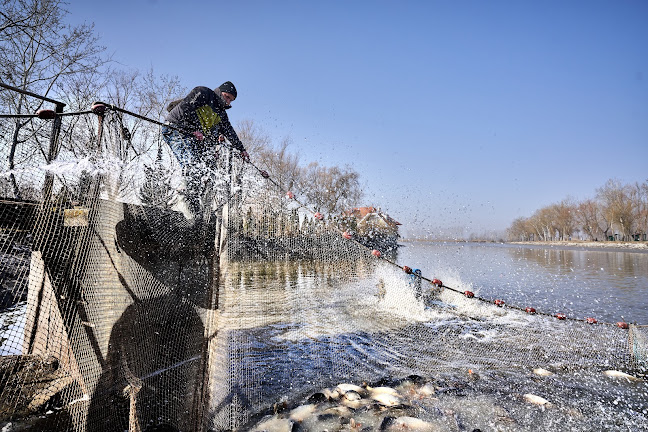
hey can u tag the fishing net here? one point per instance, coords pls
(123, 308)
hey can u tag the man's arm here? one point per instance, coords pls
(228, 131)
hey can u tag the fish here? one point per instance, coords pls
(331, 394)
(274, 424)
(537, 400)
(344, 388)
(619, 374)
(382, 390)
(339, 411)
(406, 423)
(316, 398)
(352, 399)
(542, 372)
(426, 390)
(302, 412)
(387, 399)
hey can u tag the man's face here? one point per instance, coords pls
(228, 97)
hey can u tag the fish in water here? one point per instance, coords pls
(382, 390)
(331, 394)
(344, 388)
(619, 374)
(301, 413)
(387, 399)
(542, 372)
(352, 399)
(274, 424)
(406, 424)
(537, 400)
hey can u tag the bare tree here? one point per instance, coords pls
(37, 52)
(587, 216)
(519, 230)
(331, 189)
(617, 206)
(642, 211)
(564, 218)
(284, 168)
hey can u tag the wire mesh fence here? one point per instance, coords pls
(123, 310)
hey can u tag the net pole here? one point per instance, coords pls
(53, 152)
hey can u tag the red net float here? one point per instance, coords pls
(318, 216)
(623, 325)
(264, 174)
(45, 114)
(591, 320)
(376, 253)
(469, 294)
(561, 316)
(98, 108)
(347, 235)
(290, 195)
(499, 302)
(407, 270)
(438, 283)
(530, 310)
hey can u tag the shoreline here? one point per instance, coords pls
(639, 246)
(636, 246)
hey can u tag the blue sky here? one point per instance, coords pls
(456, 113)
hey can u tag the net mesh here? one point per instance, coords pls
(121, 310)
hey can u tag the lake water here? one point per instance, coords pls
(287, 331)
(610, 285)
(292, 331)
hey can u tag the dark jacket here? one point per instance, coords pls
(203, 109)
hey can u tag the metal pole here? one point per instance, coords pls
(25, 92)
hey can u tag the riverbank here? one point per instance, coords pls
(635, 246)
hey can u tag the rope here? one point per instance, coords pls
(99, 107)
(36, 115)
(132, 388)
(435, 282)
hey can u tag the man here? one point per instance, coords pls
(201, 117)
(195, 124)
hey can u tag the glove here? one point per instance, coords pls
(199, 136)
(245, 156)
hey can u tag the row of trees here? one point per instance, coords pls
(41, 54)
(617, 212)
(330, 190)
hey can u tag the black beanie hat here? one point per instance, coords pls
(228, 87)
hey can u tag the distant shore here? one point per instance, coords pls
(635, 246)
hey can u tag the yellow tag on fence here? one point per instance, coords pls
(75, 217)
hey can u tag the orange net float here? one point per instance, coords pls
(561, 316)
(469, 294)
(407, 270)
(347, 235)
(499, 302)
(438, 283)
(46, 114)
(376, 253)
(98, 108)
(530, 310)
(290, 195)
(591, 320)
(623, 325)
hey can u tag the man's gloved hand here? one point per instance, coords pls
(199, 136)
(245, 156)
